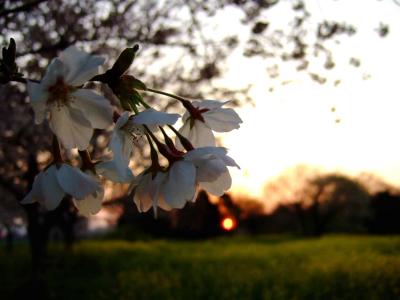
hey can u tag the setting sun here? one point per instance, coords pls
(228, 224)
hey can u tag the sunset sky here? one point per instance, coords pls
(294, 124)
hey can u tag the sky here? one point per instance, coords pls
(295, 125)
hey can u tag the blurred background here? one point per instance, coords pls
(315, 83)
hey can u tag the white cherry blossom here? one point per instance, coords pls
(110, 170)
(51, 185)
(149, 193)
(73, 112)
(92, 203)
(211, 165)
(207, 116)
(167, 189)
(129, 128)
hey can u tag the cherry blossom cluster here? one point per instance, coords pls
(73, 111)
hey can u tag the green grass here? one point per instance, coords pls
(333, 267)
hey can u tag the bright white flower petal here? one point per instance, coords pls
(180, 186)
(112, 171)
(219, 186)
(91, 204)
(158, 193)
(210, 170)
(121, 146)
(215, 118)
(80, 66)
(199, 135)
(71, 127)
(122, 119)
(153, 117)
(149, 192)
(76, 183)
(210, 104)
(222, 120)
(95, 107)
(211, 167)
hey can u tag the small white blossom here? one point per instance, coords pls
(110, 170)
(211, 165)
(208, 116)
(129, 128)
(168, 189)
(51, 185)
(180, 184)
(91, 204)
(73, 112)
(148, 192)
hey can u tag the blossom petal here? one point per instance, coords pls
(222, 120)
(158, 197)
(55, 70)
(210, 170)
(50, 189)
(218, 187)
(95, 107)
(121, 146)
(76, 183)
(153, 117)
(207, 152)
(46, 190)
(180, 186)
(113, 172)
(38, 97)
(143, 197)
(29, 198)
(71, 127)
(122, 120)
(201, 152)
(210, 104)
(199, 135)
(91, 204)
(80, 66)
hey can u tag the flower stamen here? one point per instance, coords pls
(59, 93)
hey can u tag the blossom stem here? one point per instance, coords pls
(169, 142)
(144, 103)
(194, 112)
(153, 155)
(167, 94)
(134, 108)
(184, 141)
(162, 148)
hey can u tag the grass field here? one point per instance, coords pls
(334, 267)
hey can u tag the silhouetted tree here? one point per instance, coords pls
(333, 203)
(385, 213)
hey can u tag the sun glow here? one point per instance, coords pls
(228, 224)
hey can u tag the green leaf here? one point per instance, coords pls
(136, 97)
(124, 61)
